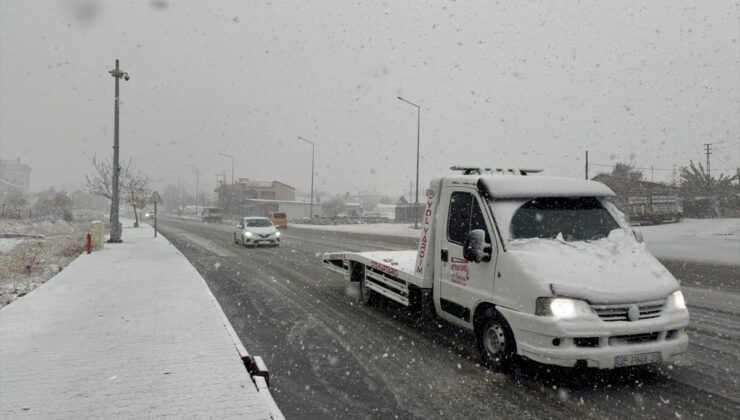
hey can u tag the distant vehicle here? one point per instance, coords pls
(540, 267)
(279, 219)
(211, 215)
(149, 215)
(653, 209)
(256, 231)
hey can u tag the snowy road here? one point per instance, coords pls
(330, 358)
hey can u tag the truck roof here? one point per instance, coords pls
(512, 186)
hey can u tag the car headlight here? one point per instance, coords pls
(277, 234)
(248, 234)
(562, 307)
(676, 301)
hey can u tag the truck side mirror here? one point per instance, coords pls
(475, 247)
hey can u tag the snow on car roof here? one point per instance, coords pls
(510, 186)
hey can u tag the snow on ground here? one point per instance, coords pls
(31, 252)
(709, 240)
(6, 244)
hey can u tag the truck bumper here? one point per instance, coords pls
(596, 343)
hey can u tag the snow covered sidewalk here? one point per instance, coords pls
(131, 331)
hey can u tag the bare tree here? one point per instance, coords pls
(100, 182)
(134, 185)
(136, 188)
(13, 201)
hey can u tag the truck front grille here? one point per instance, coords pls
(619, 312)
(633, 338)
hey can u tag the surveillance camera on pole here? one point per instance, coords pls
(115, 224)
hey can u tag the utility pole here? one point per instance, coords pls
(312, 172)
(115, 224)
(586, 164)
(708, 147)
(197, 173)
(232, 166)
(179, 197)
(652, 173)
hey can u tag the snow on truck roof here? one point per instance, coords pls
(508, 186)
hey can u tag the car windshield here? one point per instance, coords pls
(575, 219)
(257, 223)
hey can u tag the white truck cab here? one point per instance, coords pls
(536, 266)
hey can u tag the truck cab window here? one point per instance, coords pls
(577, 219)
(464, 215)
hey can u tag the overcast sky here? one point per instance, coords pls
(518, 84)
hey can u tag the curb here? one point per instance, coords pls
(255, 366)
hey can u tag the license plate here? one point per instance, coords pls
(637, 359)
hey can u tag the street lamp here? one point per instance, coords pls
(197, 172)
(312, 161)
(232, 166)
(179, 193)
(418, 129)
(115, 224)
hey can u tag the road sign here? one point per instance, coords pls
(155, 198)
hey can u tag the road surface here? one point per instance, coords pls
(332, 358)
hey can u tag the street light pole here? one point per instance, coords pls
(197, 172)
(179, 193)
(232, 166)
(312, 171)
(418, 142)
(115, 224)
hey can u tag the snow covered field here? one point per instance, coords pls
(33, 252)
(708, 240)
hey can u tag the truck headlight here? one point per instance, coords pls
(277, 234)
(562, 307)
(676, 301)
(248, 234)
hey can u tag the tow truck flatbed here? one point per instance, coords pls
(389, 272)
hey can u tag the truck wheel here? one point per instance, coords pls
(495, 341)
(367, 297)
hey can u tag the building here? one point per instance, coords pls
(264, 190)
(260, 198)
(408, 212)
(14, 176)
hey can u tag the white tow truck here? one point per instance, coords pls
(541, 267)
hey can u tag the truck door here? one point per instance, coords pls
(463, 283)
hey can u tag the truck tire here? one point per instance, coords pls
(495, 341)
(367, 297)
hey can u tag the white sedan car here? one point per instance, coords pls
(256, 231)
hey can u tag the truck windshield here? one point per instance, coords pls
(576, 219)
